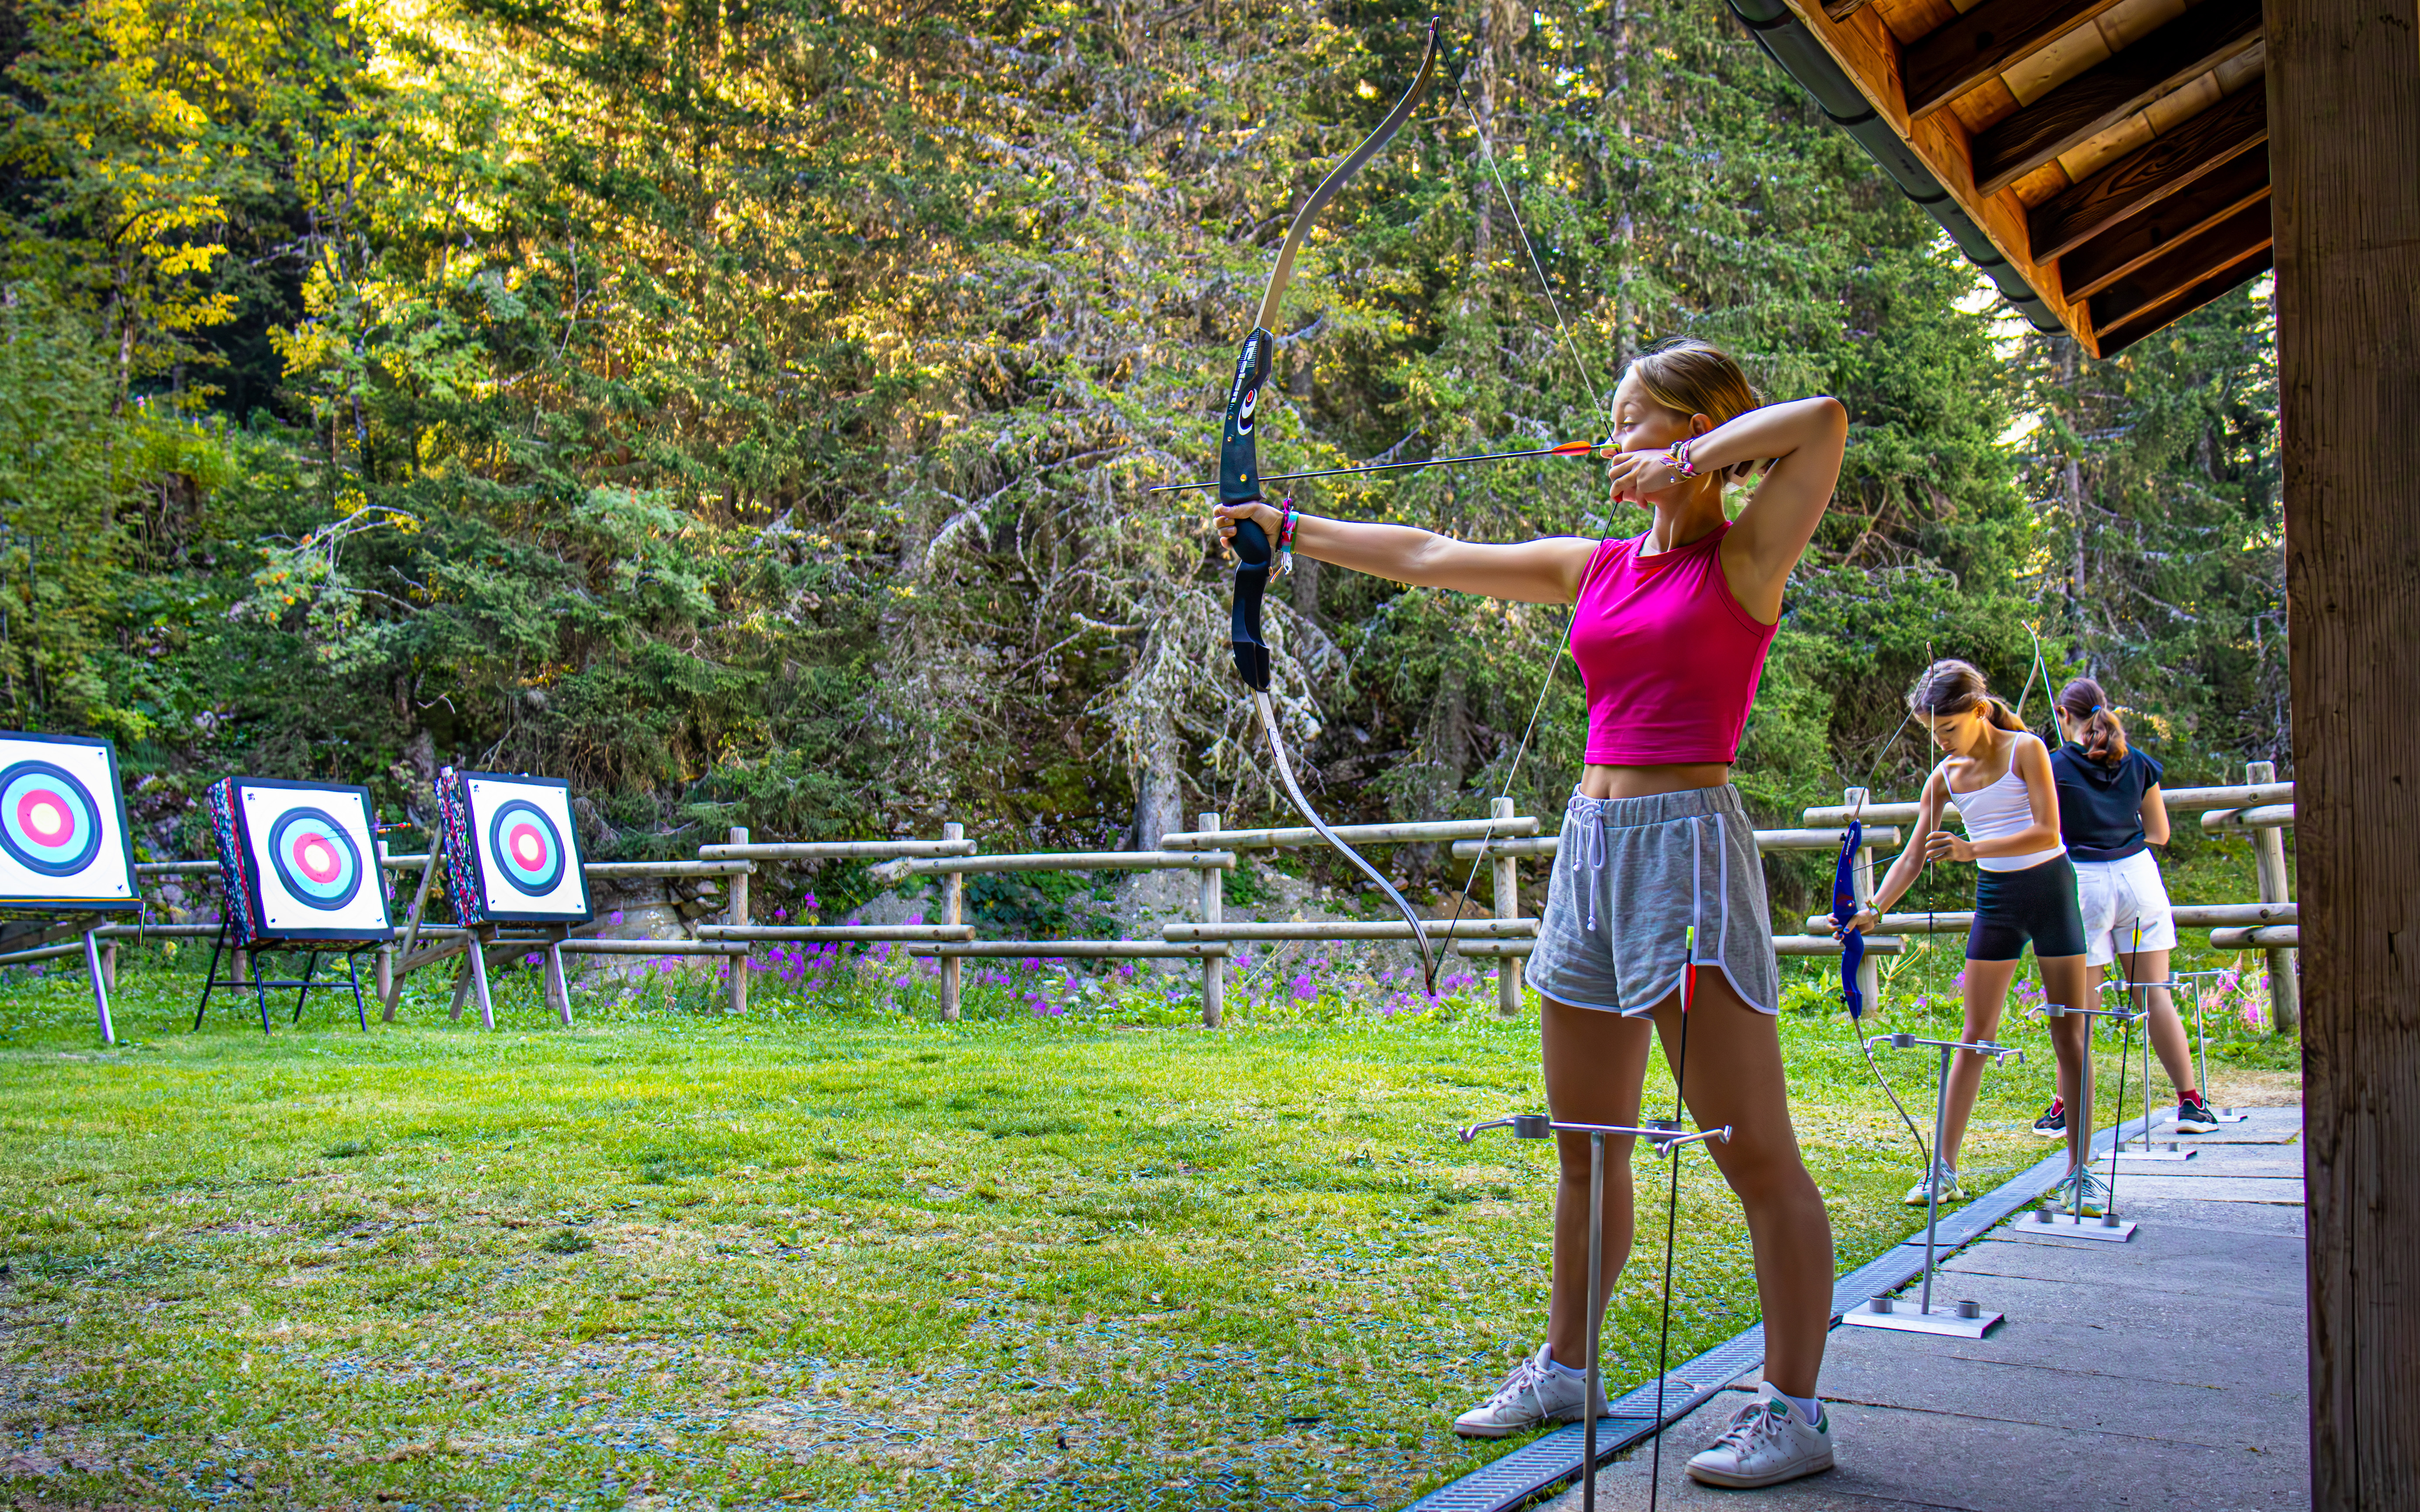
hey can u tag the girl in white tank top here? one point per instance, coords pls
(1998, 775)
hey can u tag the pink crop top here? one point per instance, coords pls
(1671, 658)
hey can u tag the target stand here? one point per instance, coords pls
(512, 862)
(67, 860)
(299, 864)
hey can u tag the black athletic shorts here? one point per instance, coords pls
(2037, 904)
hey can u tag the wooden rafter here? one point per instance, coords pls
(1955, 57)
(2142, 179)
(2165, 277)
(2101, 97)
(2117, 338)
(2106, 258)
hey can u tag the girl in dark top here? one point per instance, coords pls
(2110, 814)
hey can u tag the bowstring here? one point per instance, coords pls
(1596, 405)
(1923, 1151)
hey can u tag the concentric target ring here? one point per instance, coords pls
(527, 849)
(49, 823)
(315, 859)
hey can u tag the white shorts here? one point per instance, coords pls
(2116, 897)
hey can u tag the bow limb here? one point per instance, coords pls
(1302, 806)
(1239, 480)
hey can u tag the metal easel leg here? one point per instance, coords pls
(218, 944)
(310, 965)
(559, 991)
(478, 954)
(99, 988)
(353, 970)
(259, 993)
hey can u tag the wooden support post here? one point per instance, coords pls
(2276, 886)
(99, 990)
(383, 973)
(2343, 85)
(461, 984)
(476, 958)
(239, 966)
(737, 914)
(558, 991)
(1214, 910)
(1861, 887)
(1508, 905)
(109, 965)
(954, 911)
(394, 987)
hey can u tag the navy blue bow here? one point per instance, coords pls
(1844, 908)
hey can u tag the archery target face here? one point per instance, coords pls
(313, 859)
(529, 860)
(63, 835)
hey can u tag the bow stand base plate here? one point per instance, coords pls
(1953, 1320)
(2068, 1225)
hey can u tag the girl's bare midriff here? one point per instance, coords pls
(1645, 782)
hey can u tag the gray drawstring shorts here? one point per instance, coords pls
(1631, 876)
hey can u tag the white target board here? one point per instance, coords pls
(314, 861)
(525, 850)
(63, 838)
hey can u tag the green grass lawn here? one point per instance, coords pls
(825, 1255)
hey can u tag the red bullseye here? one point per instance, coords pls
(318, 860)
(45, 818)
(529, 847)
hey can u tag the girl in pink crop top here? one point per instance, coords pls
(1669, 657)
(1656, 881)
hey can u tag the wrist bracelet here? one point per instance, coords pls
(1285, 538)
(1679, 453)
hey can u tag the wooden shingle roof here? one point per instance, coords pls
(2105, 162)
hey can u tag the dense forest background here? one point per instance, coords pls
(743, 407)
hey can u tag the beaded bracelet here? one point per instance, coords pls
(1678, 454)
(1285, 538)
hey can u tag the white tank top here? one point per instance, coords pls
(1998, 809)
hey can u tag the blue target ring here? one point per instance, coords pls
(49, 823)
(315, 861)
(525, 848)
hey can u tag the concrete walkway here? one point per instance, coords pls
(2166, 1372)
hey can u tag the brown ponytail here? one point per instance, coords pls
(2097, 726)
(1954, 687)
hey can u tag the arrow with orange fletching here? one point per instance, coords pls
(1565, 449)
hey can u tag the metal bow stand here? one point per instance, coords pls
(2075, 1225)
(2201, 1045)
(1666, 1138)
(1964, 1319)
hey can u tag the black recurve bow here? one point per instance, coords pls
(1239, 483)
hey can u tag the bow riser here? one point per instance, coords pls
(1239, 483)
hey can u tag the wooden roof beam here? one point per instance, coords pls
(2142, 179)
(2183, 265)
(2117, 338)
(2108, 258)
(2101, 97)
(1956, 56)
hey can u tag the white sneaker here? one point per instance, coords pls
(2081, 1192)
(1536, 1393)
(1767, 1443)
(1920, 1196)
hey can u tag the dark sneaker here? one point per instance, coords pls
(2053, 1123)
(2193, 1114)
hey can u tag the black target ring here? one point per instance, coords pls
(517, 826)
(295, 831)
(24, 788)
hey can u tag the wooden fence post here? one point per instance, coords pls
(2276, 886)
(954, 911)
(109, 965)
(737, 915)
(1861, 887)
(1214, 911)
(1508, 905)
